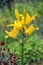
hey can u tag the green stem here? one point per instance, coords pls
(22, 52)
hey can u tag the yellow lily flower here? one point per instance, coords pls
(33, 17)
(17, 14)
(37, 28)
(18, 25)
(12, 34)
(10, 25)
(29, 19)
(6, 36)
(30, 30)
(23, 20)
(21, 23)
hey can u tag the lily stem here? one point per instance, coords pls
(22, 52)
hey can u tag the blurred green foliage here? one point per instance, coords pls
(34, 46)
(33, 49)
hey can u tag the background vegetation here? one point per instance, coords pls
(34, 45)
